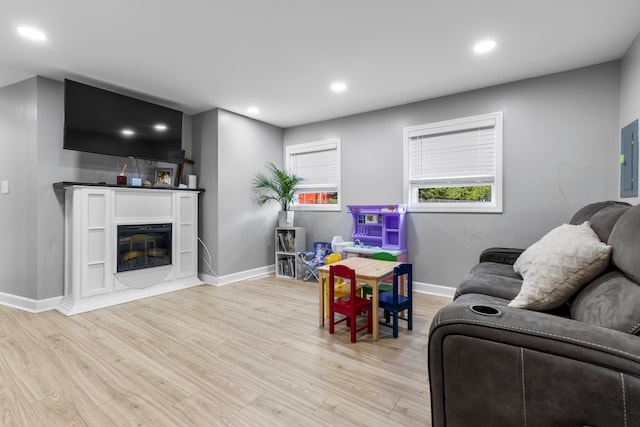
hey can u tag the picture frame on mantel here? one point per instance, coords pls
(163, 177)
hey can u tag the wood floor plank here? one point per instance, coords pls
(245, 354)
(27, 363)
(91, 372)
(201, 410)
(15, 409)
(283, 409)
(72, 407)
(410, 412)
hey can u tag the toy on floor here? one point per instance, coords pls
(314, 259)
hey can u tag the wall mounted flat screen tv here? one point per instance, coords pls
(104, 122)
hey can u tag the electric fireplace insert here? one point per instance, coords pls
(143, 246)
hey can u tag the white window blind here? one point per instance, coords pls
(459, 156)
(318, 168)
(464, 152)
(319, 164)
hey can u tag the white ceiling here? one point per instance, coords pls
(282, 55)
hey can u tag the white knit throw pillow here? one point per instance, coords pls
(558, 265)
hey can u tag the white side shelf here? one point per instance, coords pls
(92, 216)
(289, 241)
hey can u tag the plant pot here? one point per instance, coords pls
(285, 219)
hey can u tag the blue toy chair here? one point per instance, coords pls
(314, 259)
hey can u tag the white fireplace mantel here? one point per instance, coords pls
(92, 216)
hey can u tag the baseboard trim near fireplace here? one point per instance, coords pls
(69, 308)
(28, 304)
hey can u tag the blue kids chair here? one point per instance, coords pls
(393, 302)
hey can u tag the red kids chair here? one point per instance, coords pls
(349, 305)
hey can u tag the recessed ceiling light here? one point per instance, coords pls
(32, 33)
(485, 46)
(338, 87)
(160, 127)
(253, 110)
(127, 132)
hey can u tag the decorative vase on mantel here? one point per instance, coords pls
(285, 218)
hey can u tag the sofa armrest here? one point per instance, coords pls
(522, 365)
(501, 255)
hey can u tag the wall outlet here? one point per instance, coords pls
(4, 187)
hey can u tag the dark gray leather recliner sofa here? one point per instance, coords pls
(493, 365)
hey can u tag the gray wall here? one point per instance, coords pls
(559, 150)
(205, 154)
(31, 125)
(229, 150)
(630, 94)
(18, 236)
(561, 145)
(50, 212)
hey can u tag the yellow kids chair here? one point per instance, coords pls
(341, 289)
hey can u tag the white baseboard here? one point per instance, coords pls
(69, 308)
(38, 306)
(426, 288)
(236, 277)
(28, 304)
(438, 290)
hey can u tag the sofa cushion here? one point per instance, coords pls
(479, 299)
(586, 212)
(625, 244)
(489, 284)
(559, 264)
(496, 268)
(605, 219)
(500, 255)
(611, 301)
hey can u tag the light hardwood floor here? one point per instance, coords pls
(246, 354)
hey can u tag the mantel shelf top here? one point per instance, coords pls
(64, 184)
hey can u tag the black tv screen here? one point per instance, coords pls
(105, 122)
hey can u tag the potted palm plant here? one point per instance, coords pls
(280, 186)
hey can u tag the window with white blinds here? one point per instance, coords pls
(455, 165)
(319, 164)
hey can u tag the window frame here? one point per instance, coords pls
(310, 147)
(458, 124)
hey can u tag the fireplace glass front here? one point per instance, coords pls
(143, 246)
